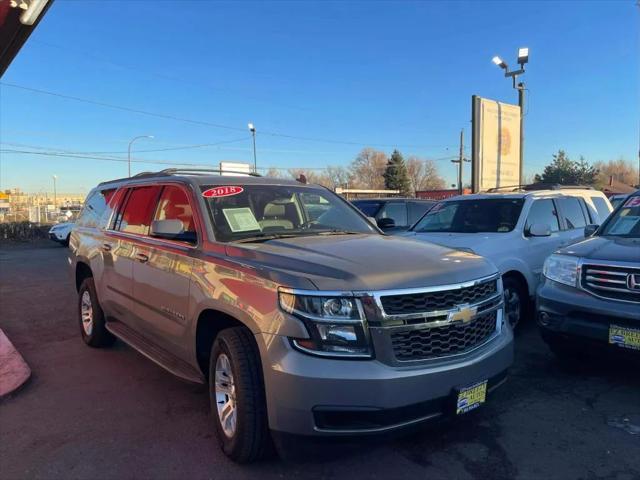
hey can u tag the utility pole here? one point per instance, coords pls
(460, 162)
(252, 129)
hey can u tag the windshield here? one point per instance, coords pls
(369, 208)
(624, 222)
(471, 216)
(272, 211)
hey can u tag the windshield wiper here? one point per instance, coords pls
(337, 231)
(264, 237)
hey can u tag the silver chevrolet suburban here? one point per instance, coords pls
(301, 316)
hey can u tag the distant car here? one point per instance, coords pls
(394, 215)
(517, 231)
(590, 295)
(617, 199)
(60, 233)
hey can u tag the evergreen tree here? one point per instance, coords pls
(396, 176)
(564, 171)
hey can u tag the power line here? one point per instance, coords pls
(209, 124)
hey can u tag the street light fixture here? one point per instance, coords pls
(252, 129)
(523, 59)
(129, 149)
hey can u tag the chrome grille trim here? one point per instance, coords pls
(609, 280)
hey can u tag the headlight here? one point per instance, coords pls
(336, 325)
(562, 269)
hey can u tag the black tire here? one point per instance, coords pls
(65, 242)
(516, 301)
(97, 336)
(250, 440)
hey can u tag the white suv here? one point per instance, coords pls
(516, 230)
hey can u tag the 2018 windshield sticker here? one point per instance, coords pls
(223, 191)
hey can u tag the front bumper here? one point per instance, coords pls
(571, 313)
(308, 395)
(57, 237)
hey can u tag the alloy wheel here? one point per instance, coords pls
(86, 312)
(225, 393)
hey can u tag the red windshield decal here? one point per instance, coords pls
(633, 202)
(226, 191)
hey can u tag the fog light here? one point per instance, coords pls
(544, 318)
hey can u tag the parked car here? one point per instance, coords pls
(516, 230)
(60, 233)
(307, 325)
(394, 215)
(591, 292)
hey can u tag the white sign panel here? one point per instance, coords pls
(496, 144)
(234, 169)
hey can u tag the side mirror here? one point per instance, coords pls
(539, 230)
(171, 230)
(589, 230)
(386, 223)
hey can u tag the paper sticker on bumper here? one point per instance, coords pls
(624, 337)
(471, 397)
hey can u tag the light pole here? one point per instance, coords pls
(129, 149)
(55, 194)
(523, 58)
(252, 129)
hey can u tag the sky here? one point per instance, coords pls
(320, 81)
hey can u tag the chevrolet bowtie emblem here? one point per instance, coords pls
(464, 314)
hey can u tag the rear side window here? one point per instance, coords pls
(96, 208)
(174, 205)
(543, 212)
(138, 210)
(572, 212)
(397, 211)
(602, 207)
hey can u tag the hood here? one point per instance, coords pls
(606, 248)
(59, 226)
(364, 262)
(474, 241)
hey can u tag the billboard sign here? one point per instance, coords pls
(495, 144)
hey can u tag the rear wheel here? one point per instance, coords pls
(91, 317)
(236, 391)
(515, 300)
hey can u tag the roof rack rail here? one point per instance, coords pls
(539, 186)
(179, 171)
(196, 171)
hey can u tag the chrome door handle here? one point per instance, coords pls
(106, 247)
(142, 258)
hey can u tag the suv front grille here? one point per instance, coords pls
(425, 343)
(611, 282)
(442, 300)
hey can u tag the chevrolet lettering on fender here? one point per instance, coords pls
(298, 314)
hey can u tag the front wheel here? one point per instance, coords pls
(236, 391)
(515, 301)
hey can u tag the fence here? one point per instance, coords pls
(23, 231)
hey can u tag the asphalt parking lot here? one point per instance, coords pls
(96, 414)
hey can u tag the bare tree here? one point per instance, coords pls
(367, 169)
(423, 174)
(274, 173)
(621, 170)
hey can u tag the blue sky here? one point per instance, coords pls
(356, 73)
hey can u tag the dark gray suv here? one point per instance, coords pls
(300, 315)
(591, 290)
